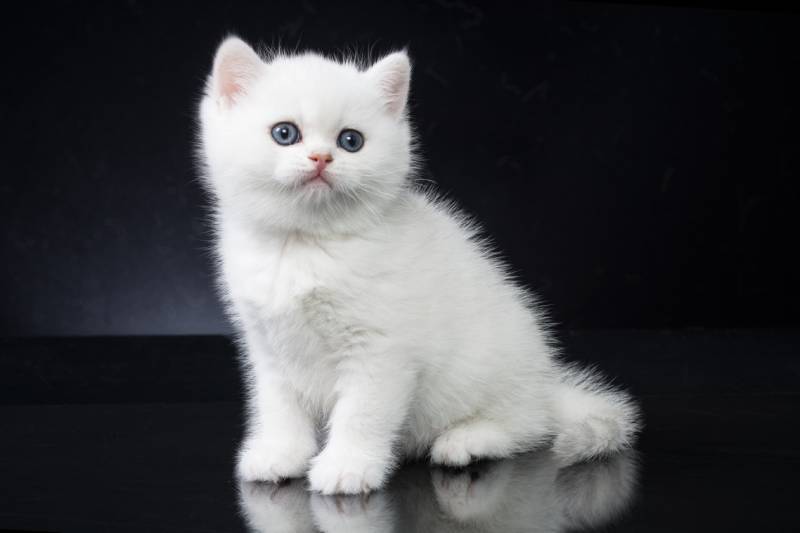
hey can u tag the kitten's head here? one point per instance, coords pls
(301, 142)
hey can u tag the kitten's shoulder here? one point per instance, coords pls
(430, 208)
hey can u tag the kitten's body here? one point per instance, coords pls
(370, 308)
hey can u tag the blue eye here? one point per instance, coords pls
(351, 140)
(285, 133)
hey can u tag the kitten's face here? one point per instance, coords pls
(305, 143)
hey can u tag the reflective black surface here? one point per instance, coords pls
(530, 493)
(719, 451)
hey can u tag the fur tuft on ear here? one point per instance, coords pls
(236, 67)
(393, 76)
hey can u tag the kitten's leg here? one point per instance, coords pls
(481, 438)
(282, 436)
(373, 396)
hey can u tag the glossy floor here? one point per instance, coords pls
(714, 460)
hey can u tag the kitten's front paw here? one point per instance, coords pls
(347, 472)
(272, 460)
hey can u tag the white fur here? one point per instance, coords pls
(368, 307)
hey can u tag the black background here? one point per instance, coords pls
(636, 164)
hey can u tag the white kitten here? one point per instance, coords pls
(365, 306)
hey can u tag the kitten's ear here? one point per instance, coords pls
(236, 67)
(393, 76)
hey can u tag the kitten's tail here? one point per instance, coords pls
(594, 419)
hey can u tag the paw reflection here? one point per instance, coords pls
(276, 507)
(472, 491)
(534, 492)
(356, 514)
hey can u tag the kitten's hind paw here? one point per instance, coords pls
(451, 449)
(462, 444)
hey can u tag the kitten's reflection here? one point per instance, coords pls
(530, 493)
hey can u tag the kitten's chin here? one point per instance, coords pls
(307, 203)
(319, 209)
(312, 183)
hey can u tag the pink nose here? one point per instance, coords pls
(321, 160)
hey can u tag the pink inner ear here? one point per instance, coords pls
(230, 77)
(236, 66)
(395, 90)
(393, 73)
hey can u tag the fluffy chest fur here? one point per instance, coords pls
(301, 303)
(275, 280)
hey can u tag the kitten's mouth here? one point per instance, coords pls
(317, 180)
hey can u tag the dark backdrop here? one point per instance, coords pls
(636, 164)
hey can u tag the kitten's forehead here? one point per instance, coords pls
(317, 89)
(313, 66)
